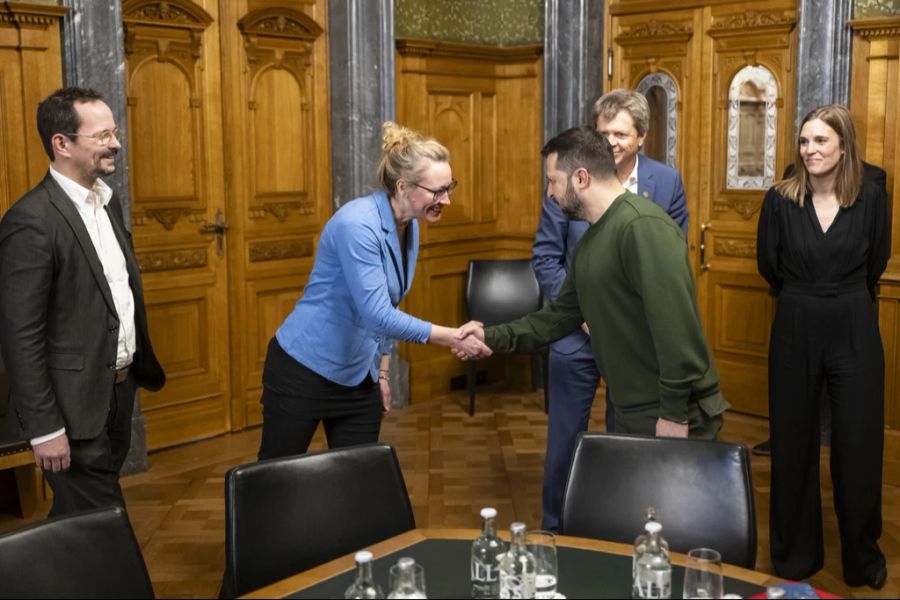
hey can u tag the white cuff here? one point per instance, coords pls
(48, 437)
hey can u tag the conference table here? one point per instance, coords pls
(587, 569)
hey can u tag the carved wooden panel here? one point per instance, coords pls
(278, 45)
(164, 50)
(484, 104)
(746, 38)
(187, 328)
(270, 301)
(737, 308)
(278, 171)
(172, 81)
(30, 69)
(875, 86)
(701, 46)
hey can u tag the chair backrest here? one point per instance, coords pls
(501, 290)
(286, 515)
(92, 554)
(702, 490)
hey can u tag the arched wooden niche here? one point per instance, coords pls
(163, 60)
(661, 92)
(752, 127)
(279, 46)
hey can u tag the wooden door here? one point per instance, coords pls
(176, 174)
(704, 49)
(229, 159)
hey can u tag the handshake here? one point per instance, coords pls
(467, 343)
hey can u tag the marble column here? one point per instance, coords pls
(94, 56)
(363, 84)
(361, 43)
(823, 59)
(574, 62)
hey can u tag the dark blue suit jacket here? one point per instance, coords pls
(557, 236)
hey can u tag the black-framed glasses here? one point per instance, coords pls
(102, 137)
(447, 189)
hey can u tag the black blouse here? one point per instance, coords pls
(792, 248)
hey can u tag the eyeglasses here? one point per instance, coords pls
(447, 189)
(103, 137)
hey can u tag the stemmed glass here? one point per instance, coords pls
(703, 574)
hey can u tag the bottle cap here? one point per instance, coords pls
(517, 527)
(363, 556)
(406, 563)
(653, 527)
(488, 513)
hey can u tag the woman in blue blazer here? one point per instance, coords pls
(329, 359)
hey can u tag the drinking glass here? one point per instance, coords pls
(542, 544)
(703, 574)
(406, 589)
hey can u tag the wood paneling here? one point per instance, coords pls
(228, 125)
(702, 46)
(874, 87)
(484, 104)
(278, 172)
(175, 159)
(30, 69)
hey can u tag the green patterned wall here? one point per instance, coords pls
(876, 8)
(486, 22)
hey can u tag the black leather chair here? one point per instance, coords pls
(286, 515)
(92, 554)
(702, 490)
(498, 291)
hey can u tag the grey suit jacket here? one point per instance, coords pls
(58, 324)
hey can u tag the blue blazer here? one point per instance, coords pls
(347, 316)
(557, 236)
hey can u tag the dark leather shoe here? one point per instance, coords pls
(877, 581)
(763, 448)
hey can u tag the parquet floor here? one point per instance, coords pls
(453, 465)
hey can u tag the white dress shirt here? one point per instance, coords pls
(91, 206)
(631, 182)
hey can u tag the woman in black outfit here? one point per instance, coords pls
(822, 246)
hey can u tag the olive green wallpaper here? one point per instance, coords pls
(876, 8)
(486, 22)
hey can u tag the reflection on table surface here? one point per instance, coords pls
(587, 569)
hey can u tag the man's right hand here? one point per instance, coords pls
(53, 455)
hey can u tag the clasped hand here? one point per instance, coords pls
(468, 342)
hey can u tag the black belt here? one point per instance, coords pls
(824, 289)
(122, 374)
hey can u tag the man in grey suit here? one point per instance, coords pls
(73, 327)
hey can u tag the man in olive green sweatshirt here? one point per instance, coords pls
(631, 282)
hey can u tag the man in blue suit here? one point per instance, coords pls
(623, 116)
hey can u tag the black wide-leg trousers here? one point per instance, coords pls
(828, 336)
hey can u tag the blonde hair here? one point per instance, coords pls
(404, 153)
(849, 168)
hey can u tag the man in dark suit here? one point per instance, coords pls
(73, 327)
(623, 117)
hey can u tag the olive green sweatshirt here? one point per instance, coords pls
(631, 282)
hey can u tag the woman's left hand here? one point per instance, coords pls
(385, 394)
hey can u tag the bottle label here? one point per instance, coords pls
(483, 572)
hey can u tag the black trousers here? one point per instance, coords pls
(92, 480)
(834, 339)
(296, 399)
